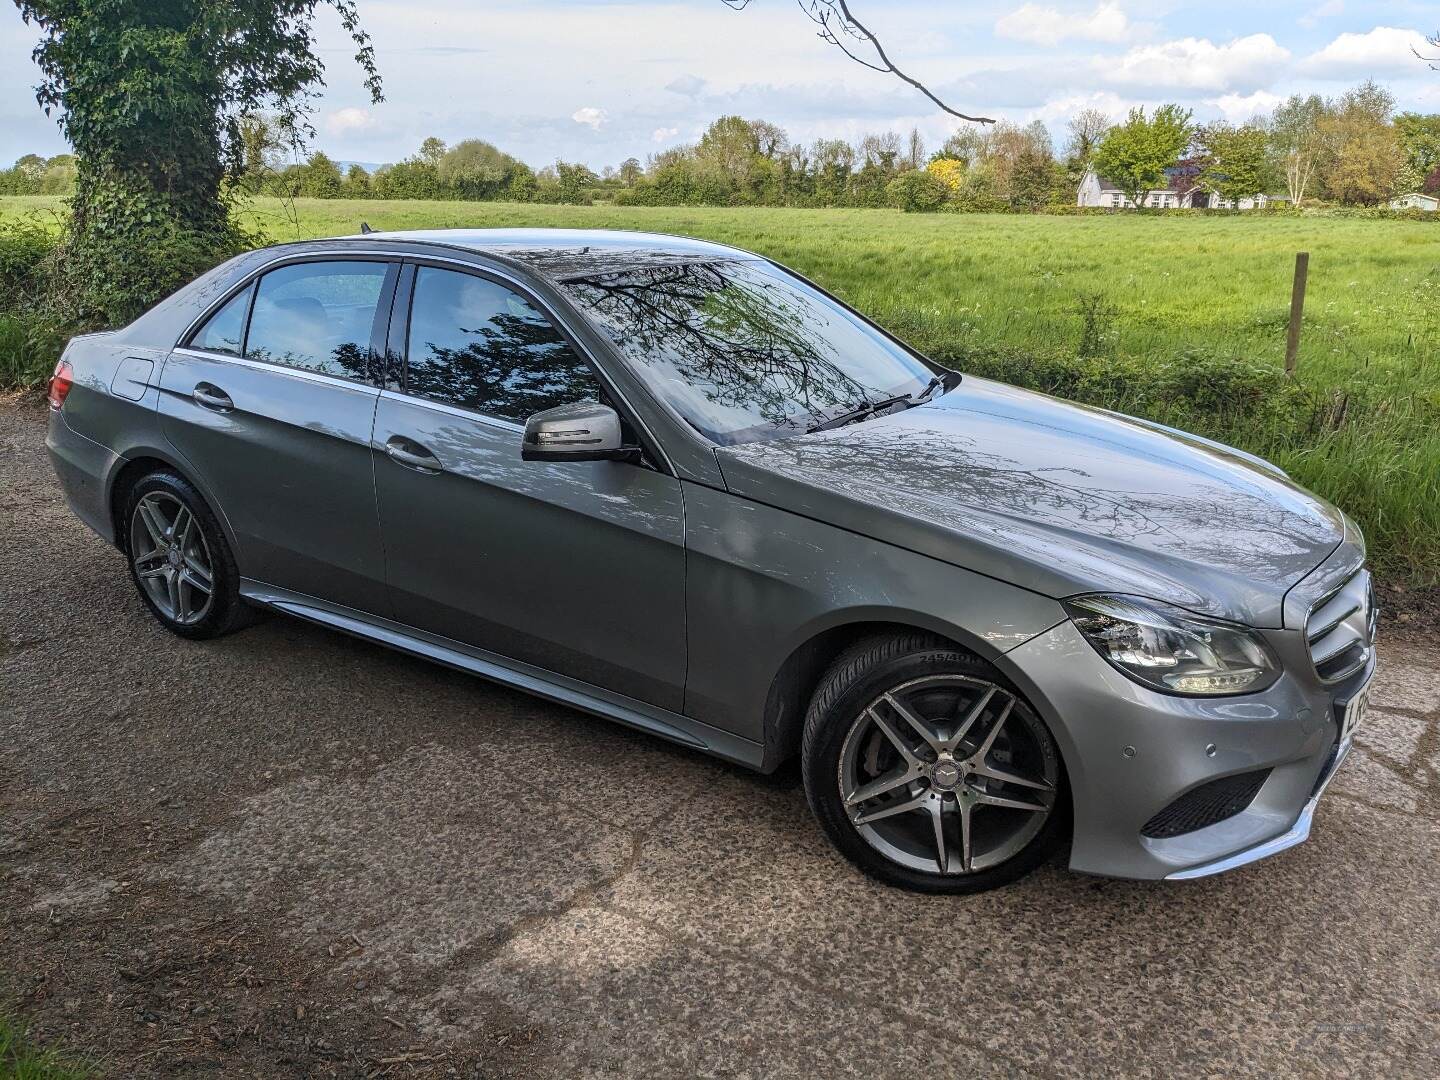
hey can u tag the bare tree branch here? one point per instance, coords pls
(839, 27)
(1433, 39)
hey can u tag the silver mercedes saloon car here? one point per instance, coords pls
(679, 486)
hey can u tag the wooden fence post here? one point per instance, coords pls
(1297, 311)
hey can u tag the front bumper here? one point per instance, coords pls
(1296, 834)
(1131, 752)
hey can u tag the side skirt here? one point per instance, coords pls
(504, 670)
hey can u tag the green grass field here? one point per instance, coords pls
(1366, 432)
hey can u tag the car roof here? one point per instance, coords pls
(568, 253)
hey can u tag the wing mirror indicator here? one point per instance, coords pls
(585, 431)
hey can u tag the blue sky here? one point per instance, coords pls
(600, 81)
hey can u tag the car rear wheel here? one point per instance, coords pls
(179, 559)
(928, 771)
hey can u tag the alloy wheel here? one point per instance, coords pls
(171, 559)
(948, 774)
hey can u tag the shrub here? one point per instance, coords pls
(29, 347)
(24, 247)
(917, 191)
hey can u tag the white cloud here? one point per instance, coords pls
(1239, 66)
(1328, 10)
(342, 122)
(1242, 108)
(1385, 49)
(686, 85)
(1043, 25)
(663, 134)
(590, 116)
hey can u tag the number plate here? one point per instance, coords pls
(1355, 710)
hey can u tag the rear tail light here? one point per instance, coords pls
(60, 384)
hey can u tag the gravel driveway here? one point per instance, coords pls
(293, 853)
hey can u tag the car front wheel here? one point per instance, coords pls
(928, 771)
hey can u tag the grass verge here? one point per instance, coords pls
(21, 1059)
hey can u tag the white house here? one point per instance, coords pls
(1416, 201)
(1095, 190)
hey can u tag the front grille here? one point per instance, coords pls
(1340, 631)
(1205, 805)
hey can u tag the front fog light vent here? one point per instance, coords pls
(1206, 805)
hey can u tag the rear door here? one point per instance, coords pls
(272, 401)
(575, 567)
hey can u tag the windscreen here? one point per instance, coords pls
(742, 350)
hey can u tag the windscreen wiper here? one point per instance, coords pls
(936, 382)
(860, 412)
(870, 408)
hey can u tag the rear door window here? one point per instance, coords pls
(318, 316)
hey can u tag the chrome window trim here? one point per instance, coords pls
(338, 381)
(254, 275)
(454, 410)
(392, 255)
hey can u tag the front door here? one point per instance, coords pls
(271, 401)
(574, 567)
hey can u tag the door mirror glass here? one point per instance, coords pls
(586, 431)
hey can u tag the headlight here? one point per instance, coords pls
(1172, 650)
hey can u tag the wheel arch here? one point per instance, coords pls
(794, 682)
(139, 462)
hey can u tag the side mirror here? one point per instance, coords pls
(583, 432)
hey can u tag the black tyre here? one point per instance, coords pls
(179, 560)
(928, 771)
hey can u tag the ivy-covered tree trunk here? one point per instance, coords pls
(150, 93)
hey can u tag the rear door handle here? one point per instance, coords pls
(209, 396)
(412, 455)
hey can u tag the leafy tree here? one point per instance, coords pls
(432, 150)
(729, 146)
(263, 142)
(357, 183)
(630, 171)
(475, 169)
(771, 141)
(322, 179)
(1134, 155)
(150, 96)
(1086, 128)
(1364, 157)
(1034, 180)
(576, 181)
(1420, 138)
(1297, 143)
(1233, 162)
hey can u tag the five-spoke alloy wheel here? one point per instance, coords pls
(179, 558)
(171, 559)
(928, 771)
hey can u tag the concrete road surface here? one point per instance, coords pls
(292, 853)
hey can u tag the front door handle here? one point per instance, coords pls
(412, 455)
(209, 396)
